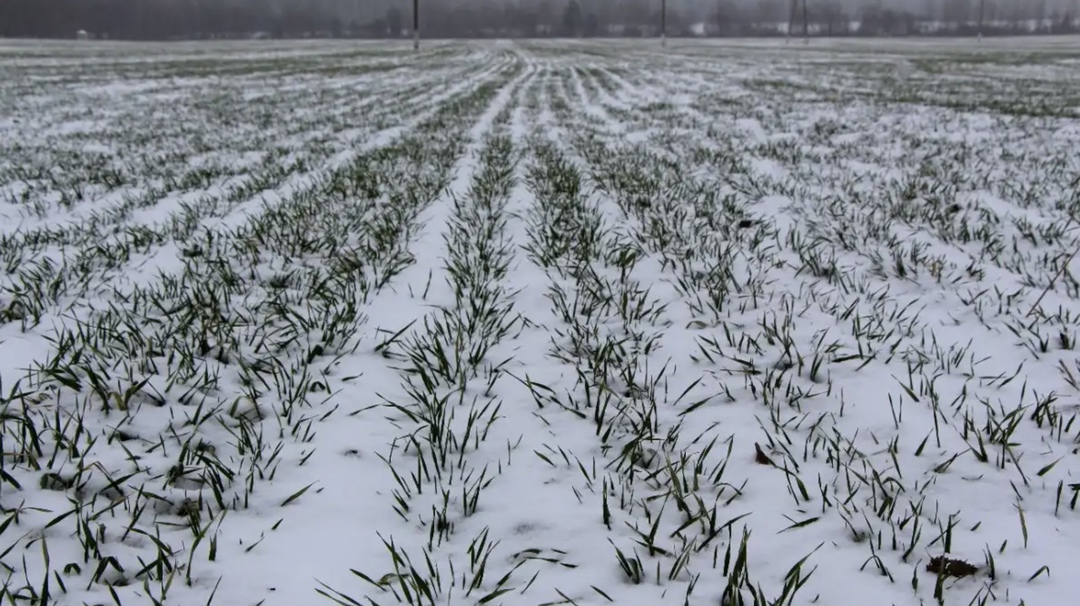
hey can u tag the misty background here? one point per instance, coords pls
(207, 19)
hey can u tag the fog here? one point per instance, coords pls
(188, 19)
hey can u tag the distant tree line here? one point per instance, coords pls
(163, 19)
(202, 19)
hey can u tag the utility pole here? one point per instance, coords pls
(805, 26)
(791, 21)
(416, 24)
(719, 18)
(663, 22)
(982, 11)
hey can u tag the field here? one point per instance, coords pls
(561, 322)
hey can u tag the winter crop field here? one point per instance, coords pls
(537, 323)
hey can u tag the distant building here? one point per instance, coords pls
(82, 35)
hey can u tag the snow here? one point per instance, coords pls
(857, 256)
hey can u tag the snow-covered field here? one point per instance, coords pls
(540, 323)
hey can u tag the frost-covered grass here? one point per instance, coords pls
(540, 323)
